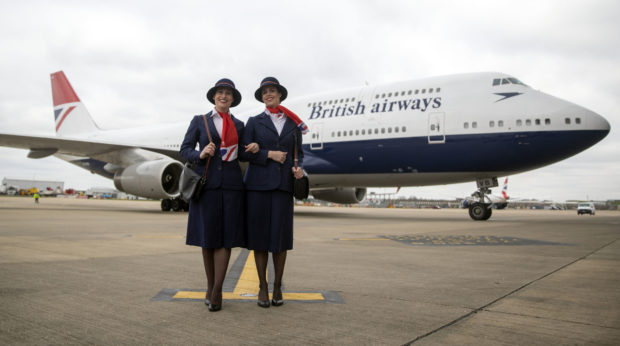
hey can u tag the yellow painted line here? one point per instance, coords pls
(234, 296)
(248, 280)
(247, 288)
(363, 239)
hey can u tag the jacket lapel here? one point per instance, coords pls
(265, 121)
(212, 129)
(289, 126)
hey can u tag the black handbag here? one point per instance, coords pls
(301, 186)
(190, 182)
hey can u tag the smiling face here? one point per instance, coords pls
(223, 98)
(271, 96)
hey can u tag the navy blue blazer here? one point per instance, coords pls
(221, 174)
(265, 174)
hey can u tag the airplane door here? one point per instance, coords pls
(436, 128)
(316, 137)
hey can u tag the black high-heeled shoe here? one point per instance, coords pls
(215, 307)
(274, 301)
(207, 301)
(263, 303)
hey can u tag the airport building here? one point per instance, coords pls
(13, 186)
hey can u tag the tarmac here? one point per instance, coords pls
(75, 271)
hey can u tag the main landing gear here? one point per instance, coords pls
(481, 207)
(174, 204)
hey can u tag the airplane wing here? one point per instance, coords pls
(42, 146)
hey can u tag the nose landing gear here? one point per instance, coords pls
(482, 207)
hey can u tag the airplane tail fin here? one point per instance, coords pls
(70, 114)
(505, 189)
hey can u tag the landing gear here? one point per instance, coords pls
(480, 211)
(174, 204)
(481, 208)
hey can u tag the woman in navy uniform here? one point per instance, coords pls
(215, 220)
(269, 184)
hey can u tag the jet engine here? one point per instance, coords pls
(158, 179)
(344, 195)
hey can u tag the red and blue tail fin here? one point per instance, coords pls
(70, 115)
(505, 189)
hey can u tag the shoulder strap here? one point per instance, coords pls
(204, 117)
(295, 138)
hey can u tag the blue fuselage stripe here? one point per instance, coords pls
(460, 153)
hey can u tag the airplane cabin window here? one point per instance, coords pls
(389, 94)
(376, 96)
(338, 133)
(376, 131)
(438, 90)
(350, 132)
(519, 122)
(389, 130)
(491, 123)
(363, 131)
(383, 95)
(417, 91)
(474, 125)
(404, 128)
(333, 134)
(423, 91)
(547, 121)
(402, 93)
(577, 121)
(396, 129)
(432, 127)
(496, 81)
(357, 132)
(465, 125)
(500, 123)
(528, 122)
(353, 99)
(430, 90)
(383, 130)
(567, 121)
(409, 92)
(505, 81)
(537, 121)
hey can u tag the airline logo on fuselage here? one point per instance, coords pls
(321, 112)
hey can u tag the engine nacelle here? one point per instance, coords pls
(158, 179)
(343, 195)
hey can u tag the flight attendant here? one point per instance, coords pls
(269, 184)
(215, 221)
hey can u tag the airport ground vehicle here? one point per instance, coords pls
(585, 208)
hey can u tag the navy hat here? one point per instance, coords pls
(225, 83)
(270, 81)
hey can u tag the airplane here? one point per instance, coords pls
(437, 130)
(497, 202)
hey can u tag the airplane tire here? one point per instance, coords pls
(175, 205)
(480, 211)
(165, 204)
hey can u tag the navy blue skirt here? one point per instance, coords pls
(269, 220)
(217, 220)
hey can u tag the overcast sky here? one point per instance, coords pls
(140, 62)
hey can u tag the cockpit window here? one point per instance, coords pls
(509, 80)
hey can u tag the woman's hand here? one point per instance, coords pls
(277, 156)
(209, 150)
(298, 172)
(252, 147)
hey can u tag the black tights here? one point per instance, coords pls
(279, 260)
(216, 264)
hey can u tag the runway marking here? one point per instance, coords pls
(454, 240)
(242, 283)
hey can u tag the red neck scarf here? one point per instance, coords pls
(300, 124)
(228, 148)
